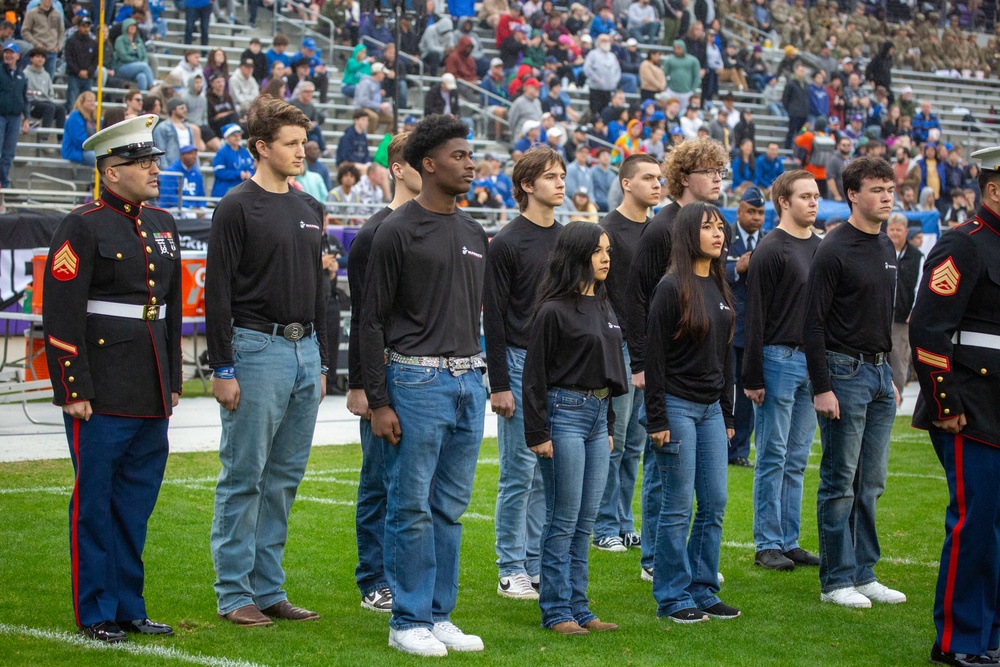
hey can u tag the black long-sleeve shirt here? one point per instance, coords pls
(776, 298)
(264, 265)
(623, 233)
(515, 264)
(652, 258)
(852, 283)
(906, 282)
(424, 291)
(575, 342)
(699, 371)
(357, 268)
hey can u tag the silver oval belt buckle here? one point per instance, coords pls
(294, 332)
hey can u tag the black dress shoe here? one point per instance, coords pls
(105, 631)
(147, 627)
(772, 559)
(800, 556)
(939, 657)
(741, 461)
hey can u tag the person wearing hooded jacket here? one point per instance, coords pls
(434, 43)
(603, 73)
(879, 70)
(683, 73)
(461, 63)
(358, 65)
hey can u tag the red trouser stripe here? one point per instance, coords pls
(949, 589)
(74, 546)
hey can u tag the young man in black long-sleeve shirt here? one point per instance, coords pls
(774, 371)
(422, 302)
(266, 323)
(515, 264)
(373, 485)
(614, 528)
(848, 335)
(693, 172)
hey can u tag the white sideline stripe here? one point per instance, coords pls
(916, 475)
(165, 652)
(325, 501)
(476, 515)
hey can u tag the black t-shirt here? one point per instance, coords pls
(852, 283)
(357, 266)
(699, 371)
(776, 298)
(575, 342)
(264, 265)
(623, 233)
(424, 291)
(652, 258)
(515, 265)
(555, 106)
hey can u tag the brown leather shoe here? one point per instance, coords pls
(569, 628)
(248, 616)
(289, 612)
(597, 625)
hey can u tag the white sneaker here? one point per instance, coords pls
(517, 587)
(647, 573)
(449, 635)
(722, 579)
(417, 641)
(876, 592)
(846, 597)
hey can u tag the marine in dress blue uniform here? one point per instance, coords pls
(955, 336)
(112, 321)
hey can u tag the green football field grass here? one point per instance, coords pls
(783, 621)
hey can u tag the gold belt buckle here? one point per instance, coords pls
(150, 312)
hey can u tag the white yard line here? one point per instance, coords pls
(165, 652)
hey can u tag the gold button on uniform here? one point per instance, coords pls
(152, 299)
(138, 222)
(119, 255)
(143, 234)
(71, 378)
(100, 341)
(947, 411)
(940, 379)
(982, 371)
(148, 249)
(128, 208)
(151, 283)
(66, 364)
(943, 395)
(73, 395)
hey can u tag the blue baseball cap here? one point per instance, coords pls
(83, 15)
(657, 116)
(676, 130)
(753, 197)
(230, 129)
(188, 149)
(11, 46)
(410, 120)
(309, 43)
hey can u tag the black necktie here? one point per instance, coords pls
(750, 244)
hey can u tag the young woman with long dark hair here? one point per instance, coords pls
(689, 413)
(573, 366)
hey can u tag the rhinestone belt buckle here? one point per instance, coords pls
(294, 332)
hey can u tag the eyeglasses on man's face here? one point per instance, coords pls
(713, 173)
(143, 162)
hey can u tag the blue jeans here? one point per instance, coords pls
(652, 497)
(786, 425)
(852, 471)
(430, 484)
(743, 419)
(369, 517)
(520, 510)
(629, 83)
(692, 465)
(194, 15)
(574, 481)
(264, 449)
(10, 127)
(139, 72)
(75, 86)
(614, 517)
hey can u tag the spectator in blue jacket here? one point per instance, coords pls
(233, 163)
(80, 124)
(277, 52)
(353, 146)
(923, 123)
(374, 30)
(13, 109)
(603, 23)
(317, 70)
(501, 181)
(769, 166)
(190, 181)
(744, 165)
(819, 99)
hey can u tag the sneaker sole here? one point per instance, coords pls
(723, 617)
(646, 577)
(517, 596)
(703, 619)
(887, 601)
(465, 649)
(851, 605)
(783, 568)
(371, 607)
(428, 653)
(615, 549)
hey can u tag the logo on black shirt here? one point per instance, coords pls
(305, 225)
(466, 251)
(613, 326)
(723, 306)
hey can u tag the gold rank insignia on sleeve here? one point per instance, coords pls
(945, 278)
(933, 360)
(65, 263)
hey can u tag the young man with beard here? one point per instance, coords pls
(265, 310)
(373, 485)
(614, 528)
(775, 377)
(428, 404)
(515, 263)
(847, 337)
(693, 172)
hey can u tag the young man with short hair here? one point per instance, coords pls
(265, 309)
(775, 377)
(373, 485)
(848, 336)
(428, 404)
(515, 263)
(614, 527)
(353, 145)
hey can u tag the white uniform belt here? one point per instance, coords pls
(976, 339)
(128, 310)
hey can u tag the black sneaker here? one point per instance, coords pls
(722, 611)
(939, 657)
(800, 556)
(772, 559)
(741, 462)
(688, 616)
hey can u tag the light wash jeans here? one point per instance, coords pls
(520, 510)
(139, 71)
(431, 472)
(693, 465)
(614, 517)
(264, 449)
(574, 481)
(369, 517)
(852, 471)
(786, 426)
